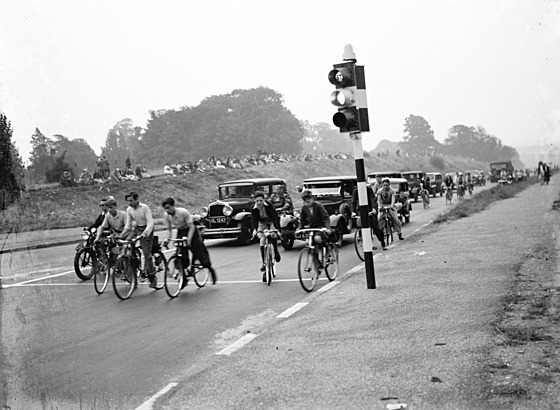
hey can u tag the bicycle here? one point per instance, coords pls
(105, 260)
(470, 187)
(358, 239)
(127, 270)
(461, 192)
(425, 198)
(317, 255)
(448, 195)
(175, 277)
(388, 227)
(269, 256)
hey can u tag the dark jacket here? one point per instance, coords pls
(97, 223)
(319, 219)
(270, 211)
(372, 200)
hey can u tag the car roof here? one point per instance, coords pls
(333, 178)
(412, 172)
(433, 173)
(397, 180)
(384, 173)
(256, 181)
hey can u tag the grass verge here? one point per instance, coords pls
(480, 201)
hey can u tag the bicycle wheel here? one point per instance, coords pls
(124, 278)
(160, 269)
(388, 231)
(200, 275)
(359, 244)
(307, 269)
(331, 262)
(101, 276)
(173, 278)
(269, 263)
(85, 263)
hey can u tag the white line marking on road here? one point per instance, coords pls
(290, 311)
(149, 404)
(416, 230)
(355, 269)
(328, 286)
(36, 280)
(429, 223)
(235, 346)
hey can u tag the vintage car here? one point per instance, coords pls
(335, 194)
(383, 174)
(414, 179)
(230, 215)
(436, 182)
(475, 176)
(401, 186)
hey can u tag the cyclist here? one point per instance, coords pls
(425, 191)
(99, 220)
(181, 219)
(113, 223)
(264, 216)
(142, 215)
(386, 198)
(372, 211)
(314, 216)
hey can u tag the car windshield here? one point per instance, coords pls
(412, 177)
(324, 189)
(236, 191)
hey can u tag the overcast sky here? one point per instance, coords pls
(76, 67)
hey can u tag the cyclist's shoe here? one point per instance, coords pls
(190, 271)
(374, 248)
(264, 277)
(400, 237)
(263, 268)
(153, 281)
(385, 247)
(214, 276)
(277, 256)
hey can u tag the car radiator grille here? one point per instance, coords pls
(216, 210)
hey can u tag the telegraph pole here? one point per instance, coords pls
(352, 118)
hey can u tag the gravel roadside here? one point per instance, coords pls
(426, 337)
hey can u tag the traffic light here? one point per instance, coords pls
(349, 97)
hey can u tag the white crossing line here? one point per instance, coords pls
(328, 286)
(235, 346)
(290, 311)
(36, 280)
(356, 268)
(149, 404)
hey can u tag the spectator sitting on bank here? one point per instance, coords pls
(138, 172)
(167, 170)
(117, 175)
(66, 180)
(85, 178)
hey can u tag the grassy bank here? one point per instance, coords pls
(56, 207)
(483, 199)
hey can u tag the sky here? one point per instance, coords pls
(76, 67)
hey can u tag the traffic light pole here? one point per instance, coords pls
(363, 202)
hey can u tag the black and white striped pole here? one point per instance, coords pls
(352, 118)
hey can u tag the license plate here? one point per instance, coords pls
(218, 220)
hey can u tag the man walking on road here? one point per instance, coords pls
(372, 212)
(142, 215)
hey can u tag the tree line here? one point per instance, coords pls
(12, 177)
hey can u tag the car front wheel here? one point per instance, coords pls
(245, 235)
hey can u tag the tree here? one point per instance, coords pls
(42, 158)
(10, 166)
(322, 138)
(79, 154)
(121, 143)
(60, 165)
(419, 137)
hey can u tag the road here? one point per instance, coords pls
(64, 346)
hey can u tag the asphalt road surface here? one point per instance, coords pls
(63, 346)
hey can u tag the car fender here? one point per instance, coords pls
(334, 220)
(242, 215)
(285, 220)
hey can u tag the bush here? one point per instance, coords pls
(437, 162)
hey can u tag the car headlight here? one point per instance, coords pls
(85, 235)
(203, 212)
(227, 210)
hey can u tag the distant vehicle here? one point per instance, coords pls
(414, 178)
(496, 169)
(383, 174)
(335, 194)
(436, 182)
(230, 215)
(476, 176)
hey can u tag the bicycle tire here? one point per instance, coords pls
(160, 269)
(124, 278)
(331, 262)
(200, 275)
(307, 269)
(388, 231)
(85, 261)
(359, 244)
(269, 263)
(173, 279)
(101, 276)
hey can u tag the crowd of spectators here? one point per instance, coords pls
(260, 158)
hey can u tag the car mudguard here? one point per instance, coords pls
(241, 216)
